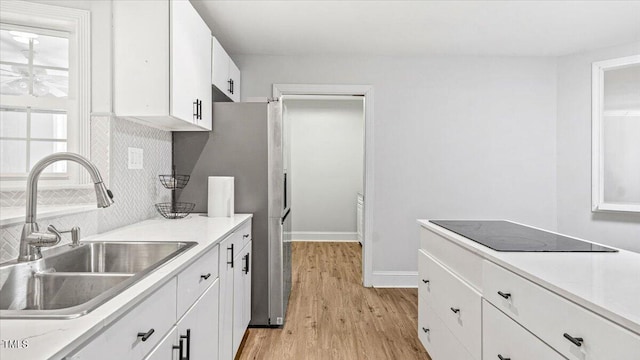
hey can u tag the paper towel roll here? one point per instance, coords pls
(220, 197)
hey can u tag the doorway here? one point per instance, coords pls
(343, 162)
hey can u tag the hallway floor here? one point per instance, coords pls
(332, 316)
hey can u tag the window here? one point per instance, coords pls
(616, 130)
(34, 83)
(44, 91)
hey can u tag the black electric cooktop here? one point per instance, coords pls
(506, 236)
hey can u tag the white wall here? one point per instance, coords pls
(327, 157)
(455, 137)
(574, 156)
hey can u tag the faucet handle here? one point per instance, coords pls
(52, 229)
(39, 239)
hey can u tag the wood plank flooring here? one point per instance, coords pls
(332, 316)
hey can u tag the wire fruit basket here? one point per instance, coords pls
(174, 181)
(175, 210)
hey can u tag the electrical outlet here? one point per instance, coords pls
(136, 157)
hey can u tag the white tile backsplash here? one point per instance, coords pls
(135, 191)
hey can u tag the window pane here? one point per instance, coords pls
(48, 125)
(50, 63)
(12, 50)
(50, 83)
(14, 79)
(40, 149)
(621, 159)
(51, 51)
(622, 89)
(13, 156)
(13, 123)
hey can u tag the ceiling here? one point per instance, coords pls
(413, 28)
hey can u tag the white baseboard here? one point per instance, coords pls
(395, 279)
(323, 236)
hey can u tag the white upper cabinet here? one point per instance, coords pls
(225, 74)
(162, 64)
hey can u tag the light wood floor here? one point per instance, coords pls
(332, 316)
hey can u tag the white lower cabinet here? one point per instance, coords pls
(180, 320)
(241, 296)
(456, 303)
(198, 329)
(494, 313)
(439, 342)
(135, 334)
(195, 336)
(235, 290)
(505, 339)
(573, 331)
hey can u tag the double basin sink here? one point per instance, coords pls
(71, 281)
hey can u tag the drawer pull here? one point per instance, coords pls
(577, 341)
(455, 310)
(245, 236)
(425, 281)
(502, 357)
(147, 335)
(205, 277)
(504, 295)
(425, 329)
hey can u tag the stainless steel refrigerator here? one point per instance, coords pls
(249, 141)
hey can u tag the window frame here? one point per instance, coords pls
(598, 203)
(75, 23)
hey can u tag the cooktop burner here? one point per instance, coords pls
(506, 236)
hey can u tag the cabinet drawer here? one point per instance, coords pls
(436, 337)
(194, 280)
(233, 244)
(550, 317)
(457, 304)
(464, 263)
(245, 234)
(423, 276)
(503, 336)
(121, 340)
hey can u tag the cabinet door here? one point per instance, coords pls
(198, 329)
(238, 300)
(241, 296)
(165, 350)
(234, 76)
(226, 300)
(220, 67)
(247, 286)
(190, 62)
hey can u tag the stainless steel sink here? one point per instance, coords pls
(70, 282)
(110, 257)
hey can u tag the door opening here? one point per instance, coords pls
(329, 130)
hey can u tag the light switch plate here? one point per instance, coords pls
(136, 157)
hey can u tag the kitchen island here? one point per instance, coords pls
(59, 338)
(553, 305)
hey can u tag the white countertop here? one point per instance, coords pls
(53, 339)
(605, 283)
